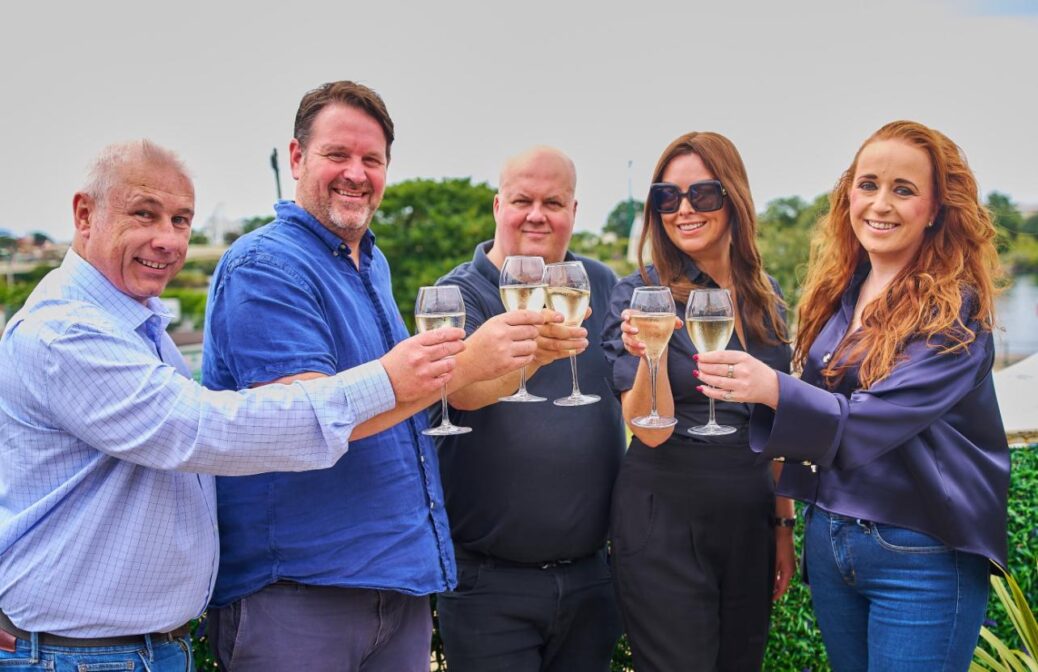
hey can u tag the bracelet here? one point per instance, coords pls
(777, 521)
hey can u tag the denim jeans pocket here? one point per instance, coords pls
(903, 540)
(25, 665)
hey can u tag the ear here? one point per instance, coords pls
(83, 209)
(574, 209)
(295, 157)
(497, 203)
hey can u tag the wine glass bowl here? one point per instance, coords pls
(522, 288)
(710, 320)
(569, 292)
(652, 313)
(435, 308)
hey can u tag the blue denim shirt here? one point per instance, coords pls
(924, 448)
(287, 299)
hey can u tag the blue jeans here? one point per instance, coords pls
(29, 656)
(889, 598)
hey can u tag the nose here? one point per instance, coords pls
(881, 203)
(685, 204)
(170, 238)
(354, 171)
(536, 214)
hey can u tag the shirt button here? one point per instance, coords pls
(827, 357)
(432, 505)
(421, 458)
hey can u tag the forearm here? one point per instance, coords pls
(783, 505)
(637, 402)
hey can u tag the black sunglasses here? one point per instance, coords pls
(705, 196)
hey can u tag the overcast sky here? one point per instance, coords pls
(796, 85)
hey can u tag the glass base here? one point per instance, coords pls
(446, 429)
(711, 429)
(578, 400)
(523, 396)
(654, 421)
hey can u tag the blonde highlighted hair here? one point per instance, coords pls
(957, 260)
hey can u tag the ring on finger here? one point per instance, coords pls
(727, 396)
(731, 370)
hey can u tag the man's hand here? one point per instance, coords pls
(557, 341)
(502, 344)
(420, 365)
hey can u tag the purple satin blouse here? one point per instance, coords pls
(923, 449)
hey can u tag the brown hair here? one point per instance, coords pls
(759, 303)
(957, 258)
(345, 93)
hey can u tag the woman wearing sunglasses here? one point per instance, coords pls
(697, 559)
(895, 405)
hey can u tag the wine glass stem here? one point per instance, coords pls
(444, 418)
(712, 421)
(573, 367)
(522, 381)
(653, 369)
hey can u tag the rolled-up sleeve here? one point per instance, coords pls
(830, 429)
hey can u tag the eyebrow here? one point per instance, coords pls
(137, 201)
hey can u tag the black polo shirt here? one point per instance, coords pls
(532, 482)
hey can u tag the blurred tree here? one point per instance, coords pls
(784, 232)
(427, 227)
(1008, 219)
(620, 219)
(199, 238)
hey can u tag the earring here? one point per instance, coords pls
(929, 224)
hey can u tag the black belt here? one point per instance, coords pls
(492, 561)
(47, 639)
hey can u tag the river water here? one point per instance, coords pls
(1016, 314)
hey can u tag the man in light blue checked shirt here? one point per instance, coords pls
(108, 533)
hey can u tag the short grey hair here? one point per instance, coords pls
(104, 170)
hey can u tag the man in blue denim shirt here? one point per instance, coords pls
(332, 570)
(108, 541)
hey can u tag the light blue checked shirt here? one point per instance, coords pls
(106, 529)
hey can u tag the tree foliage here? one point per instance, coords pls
(622, 217)
(427, 227)
(784, 233)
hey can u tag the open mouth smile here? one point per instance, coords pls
(158, 266)
(881, 226)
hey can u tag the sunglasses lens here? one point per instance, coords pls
(707, 197)
(666, 198)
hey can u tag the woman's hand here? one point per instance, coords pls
(628, 333)
(785, 561)
(731, 375)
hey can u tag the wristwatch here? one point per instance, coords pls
(777, 521)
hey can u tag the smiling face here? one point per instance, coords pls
(892, 201)
(535, 208)
(342, 170)
(137, 235)
(700, 235)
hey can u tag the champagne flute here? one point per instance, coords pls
(569, 293)
(522, 288)
(710, 319)
(438, 307)
(652, 313)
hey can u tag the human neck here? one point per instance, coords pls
(719, 268)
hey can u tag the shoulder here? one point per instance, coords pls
(49, 322)
(775, 285)
(270, 249)
(597, 270)
(463, 274)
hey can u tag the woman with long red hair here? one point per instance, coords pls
(895, 408)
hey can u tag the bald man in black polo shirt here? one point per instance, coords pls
(528, 490)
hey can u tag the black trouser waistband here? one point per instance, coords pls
(491, 561)
(47, 639)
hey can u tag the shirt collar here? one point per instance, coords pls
(694, 273)
(481, 262)
(292, 212)
(98, 289)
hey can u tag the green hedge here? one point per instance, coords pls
(795, 644)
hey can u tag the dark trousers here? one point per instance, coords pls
(524, 619)
(694, 556)
(288, 627)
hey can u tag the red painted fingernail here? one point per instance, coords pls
(695, 357)
(699, 388)
(695, 372)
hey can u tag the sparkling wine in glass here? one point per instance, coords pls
(438, 307)
(569, 293)
(522, 288)
(710, 319)
(652, 313)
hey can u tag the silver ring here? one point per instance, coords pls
(727, 396)
(731, 370)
